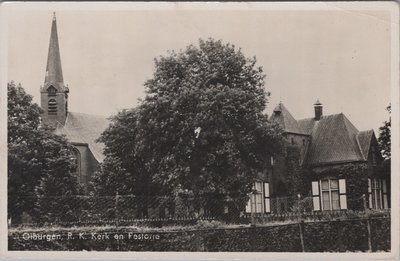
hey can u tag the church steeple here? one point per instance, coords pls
(53, 70)
(54, 94)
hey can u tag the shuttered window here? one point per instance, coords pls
(329, 194)
(259, 201)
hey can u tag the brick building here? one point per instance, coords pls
(344, 165)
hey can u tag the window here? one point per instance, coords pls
(52, 106)
(259, 200)
(51, 91)
(272, 161)
(329, 194)
(78, 165)
(292, 141)
(304, 142)
(378, 196)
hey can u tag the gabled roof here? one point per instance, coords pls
(283, 117)
(85, 128)
(365, 138)
(333, 140)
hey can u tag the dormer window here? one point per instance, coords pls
(52, 106)
(52, 91)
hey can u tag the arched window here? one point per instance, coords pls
(78, 165)
(52, 106)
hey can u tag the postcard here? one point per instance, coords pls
(223, 130)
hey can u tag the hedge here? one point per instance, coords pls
(322, 236)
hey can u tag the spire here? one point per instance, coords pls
(54, 74)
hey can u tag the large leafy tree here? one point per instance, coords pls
(40, 163)
(199, 131)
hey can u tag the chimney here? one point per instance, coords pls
(318, 110)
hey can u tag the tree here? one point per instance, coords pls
(199, 131)
(40, 163)
(385, 137)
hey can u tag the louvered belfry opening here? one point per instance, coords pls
(52, 106)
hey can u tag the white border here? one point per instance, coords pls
(344, 6)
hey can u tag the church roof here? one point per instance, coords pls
(85, 128)
(54, 75)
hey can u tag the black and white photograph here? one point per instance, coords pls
(200, 127)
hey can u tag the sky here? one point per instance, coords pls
(340, 57)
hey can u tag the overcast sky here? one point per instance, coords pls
(340, 57)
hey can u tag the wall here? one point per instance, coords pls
(89, 163)
(298, 141)
(61, 113)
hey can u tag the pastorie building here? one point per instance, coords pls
(340, 166)
(80, 129)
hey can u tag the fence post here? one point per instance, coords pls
(301, 229)
(369, 234)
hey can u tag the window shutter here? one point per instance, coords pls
(384, 187)
(385, 195)
(369, 193)
(266, 189)
(342, 194)
(248, 206)
(267, 202)
(315, 194)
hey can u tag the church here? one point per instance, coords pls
(80, 129)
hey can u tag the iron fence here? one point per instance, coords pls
(82, 210)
